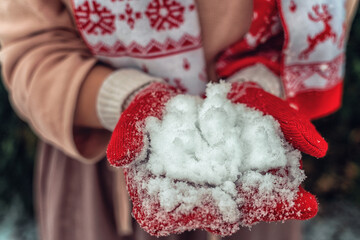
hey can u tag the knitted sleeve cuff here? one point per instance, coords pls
(115, 91)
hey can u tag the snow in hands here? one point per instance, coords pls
(211, 152)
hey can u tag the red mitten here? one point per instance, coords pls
(299, 132)
(127, 140)
(297, 129)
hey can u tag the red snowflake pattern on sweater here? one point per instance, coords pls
(130, 16)
(165, 14)
(94, 18)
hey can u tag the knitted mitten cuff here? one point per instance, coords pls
(261, 75)
(115, 91)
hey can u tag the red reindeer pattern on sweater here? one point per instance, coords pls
(300, 41)
(325, 17)
(313, 55)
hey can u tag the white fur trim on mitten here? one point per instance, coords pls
(261, 75)
(114, 92)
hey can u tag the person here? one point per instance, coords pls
(72, 66)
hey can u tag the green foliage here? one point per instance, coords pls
(17, 149)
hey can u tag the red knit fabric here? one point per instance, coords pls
(317, 104)
(126, 142)
(297, 128)
(311, 75)
(305, 207)
(209, 218)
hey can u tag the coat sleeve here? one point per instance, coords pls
(44, 63)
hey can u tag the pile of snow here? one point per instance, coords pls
(211, 147)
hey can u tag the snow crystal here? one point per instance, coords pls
(209, 148)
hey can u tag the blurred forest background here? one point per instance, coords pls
(334, 179)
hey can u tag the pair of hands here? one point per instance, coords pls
(127, 140)
(127, 145)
